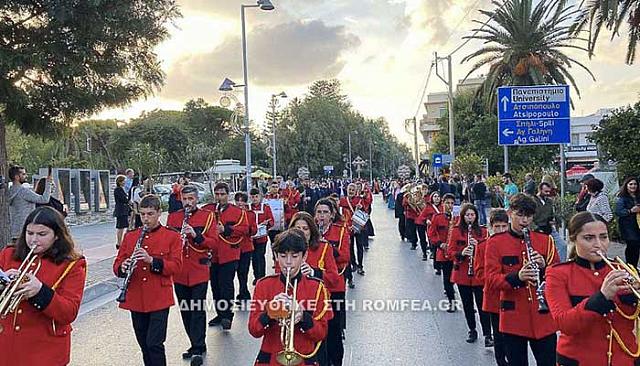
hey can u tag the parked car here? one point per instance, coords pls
(203, 191)
(163, 191)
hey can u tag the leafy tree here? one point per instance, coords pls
(468, 164)
(61, 60)
(524, 45)
(617, 136)
(610, 14)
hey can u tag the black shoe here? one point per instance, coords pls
(414, 247)
(215, 321)
(351, 284)
(196, 360)
(473, 336)
(366, 248)
(488, 341)
(361, 271)
(438, 272)
(432, 255)
(425, 257)
(254, 282)
(226, 324)
(187, 355)
(452, 307)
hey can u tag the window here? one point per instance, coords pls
(442, 112)
(575, 139)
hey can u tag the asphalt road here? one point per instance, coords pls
(396, 318)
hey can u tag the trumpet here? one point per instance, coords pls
(9, 301)
(289, 356)
(470, 271)
(632, 277)
(543, 307)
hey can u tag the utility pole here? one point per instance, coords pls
(449, 83)
(415, 144)
(350, 168)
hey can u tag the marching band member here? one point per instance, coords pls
(292, 199)
(246, 248)
(421, 226)
(232, 227)
(462, 248)
(350, 205)
(199, 238)
(516, 268)
(432, 207)
(274, 194)
(439, 231)
(365, 192)
(336, 234)
(274, 297)
(264, 217)
(499, 221)
(591, 302)
(410, 216)
(38, 330)
(151, 258)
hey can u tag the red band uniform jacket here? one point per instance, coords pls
(338, 235)
(39, 331)
(409, 212)
(252, 229)
(505, 256)
(438, 233)
(324, 266)
(585, 317)
(349, 205)
(291, 201)
(196, 255)
(427, 214)
(491, 297)
(457, 242)
(308, 334)
(264, 215)
(236, 227)
(151, 286)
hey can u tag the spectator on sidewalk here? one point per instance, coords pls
(627, 210)
(529, 185)
(599, 201)
(583, 197)
(53, 202)
(546, 220)
(128, 182)
(121, 210)
(480, 198)
(135, 196)
(510, 189)
(23, 200)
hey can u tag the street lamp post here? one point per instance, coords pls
(350, 168)
(263, 5)
(274, 101)
(370, 163)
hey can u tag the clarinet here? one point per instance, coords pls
(470, 272)
(543, 307)
(185, 222)
(127, 279)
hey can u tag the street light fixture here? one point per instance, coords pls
(273, 138)
(267, 6)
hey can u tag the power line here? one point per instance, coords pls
(424, 91)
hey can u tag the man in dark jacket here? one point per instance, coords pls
(399, 213)
(583, 197)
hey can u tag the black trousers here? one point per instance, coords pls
(498, 341)
(272, 235)
(222, 288)
(151, 332)
(192, 303)
(632, 252)
(258, 261)
(467, 295)
(402, 227)
(410, 232)
(243, 274)
(335, 347)
(447, 267)
(422, 234)
(358, 242)
(544, 350)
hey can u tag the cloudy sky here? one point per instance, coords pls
(379, 49)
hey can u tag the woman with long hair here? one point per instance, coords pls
(591, 302)
(628, 211)
(463, 243)
(121, 210)
(599, 201)
(39, 329)
(53, 202)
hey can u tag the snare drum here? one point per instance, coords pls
(262, 231)
(359, 220)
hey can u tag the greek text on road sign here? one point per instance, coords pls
(537, 115)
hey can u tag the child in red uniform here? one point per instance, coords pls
(38, 332)
(312, 308)
(246, 248)
(499, 221)
(264, 218)
(463, 242)
(591, 302)
(439, 231)
(523, 320)
(150, 291)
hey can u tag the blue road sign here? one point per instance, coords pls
(534, 115)
(437, 160)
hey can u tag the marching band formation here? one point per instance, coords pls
(584, 311)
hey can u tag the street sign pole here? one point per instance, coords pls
(506, 158)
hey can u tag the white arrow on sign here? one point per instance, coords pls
(507, 132)
(504, 101)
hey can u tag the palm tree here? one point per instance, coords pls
(610, 14)
(524, 46)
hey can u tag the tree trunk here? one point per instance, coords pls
(4, 201)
